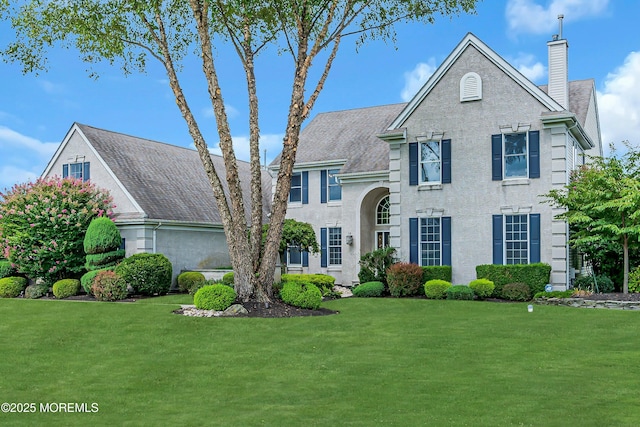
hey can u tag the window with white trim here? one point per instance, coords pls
(430, 241)
(382, 212)
(335, 245)
(295, 193)
(334, 190)
(430, 162)
(516, 239)
(515, 155)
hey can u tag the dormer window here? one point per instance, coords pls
(470, 87)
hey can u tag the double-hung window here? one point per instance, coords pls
(299, 191)
(330, 246)
(515, 155)
(79, 170)
(330, 188)
(430, 162)
(516, 239)
(430, 166)
(430, 241)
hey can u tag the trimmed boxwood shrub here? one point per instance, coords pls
(324, 282)
(191, 281)
(369, 289)
(483, 288)
(6, 270)
(516, 292)
(147, 274)
(36, 291)
(536, 276)
(228, 279)
(436, 289)
(102, 236)
(404, 279)
(214, 297)
(66, 288)
(109, 286)
(460, 292)
(10, 287)
(440, 272)
(303, 295)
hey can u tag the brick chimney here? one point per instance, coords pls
(558, 68)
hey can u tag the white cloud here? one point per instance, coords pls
(270, 142)
(11, 175)
(10, 139)
(527, 65)
(23, 158)
(529, 17)
(416, 78)
(619, 103)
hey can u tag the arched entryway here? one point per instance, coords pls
(374, 220)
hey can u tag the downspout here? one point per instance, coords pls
(155, 235)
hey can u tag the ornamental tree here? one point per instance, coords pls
(602, 203)
(43, 224)
(132, 32)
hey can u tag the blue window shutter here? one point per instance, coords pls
(413, 240)
(534, 238)
(446, 161)
(86, 171)
(445, 223)
(498, 252)
(65, 171)
(413, 163)
(534, 154)
(323, 247)
(496, 157)
(305, 259)
(323, 186)
(305, 187)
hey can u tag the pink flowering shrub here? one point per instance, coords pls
(43, 223)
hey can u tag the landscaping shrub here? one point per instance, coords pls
(536, 276)
(10, 287)
(483, 288)
(374, 265)
(87, 279)
(109, 286)
(440, 272)
(102, 245)
(460, 292)
(303, 295)
(190, 281)
(43, 225)
(228, 279)
(436, 288)
(324, 282)
(36, 291)
(404, 279)
(605, 284)
(6, 270)
(634, 280)
(516, 292)
(66, 288)
(369, 289)
(555, 294)
(147, 274)
(214, 297)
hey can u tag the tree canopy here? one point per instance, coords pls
(131, 32)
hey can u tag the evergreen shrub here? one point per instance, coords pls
(404, 279)
(66, 288)
(369, 289)
(441, 272)
(324, 282)
(190, 281)
(516, 292)
(109, 286)
(214, 297)
(147, 274)
(536, 276)
(483, 288)
(604, 283)
(555, 294)
(10, 287)
(460, 292)
(299, 294)
(36, 291)
(374, 265)
(436, 289)
(228, 279)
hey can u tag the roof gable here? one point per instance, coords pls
(487, 52)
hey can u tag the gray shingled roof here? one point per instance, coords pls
(167, 181)
(350, 135)
(580, 92)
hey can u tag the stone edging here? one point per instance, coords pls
(587, 303)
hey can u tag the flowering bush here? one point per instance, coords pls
(43, 223)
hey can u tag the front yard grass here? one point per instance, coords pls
(403, 362)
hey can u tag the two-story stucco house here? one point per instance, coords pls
(453, 177)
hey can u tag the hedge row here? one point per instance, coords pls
(536, 276)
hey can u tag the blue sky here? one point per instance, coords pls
(37, 111)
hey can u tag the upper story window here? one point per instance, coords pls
(80, 170)
(430, 165)
(515, 155)
(470, 87)
(382, 212)
(330, 188)
(295, 193)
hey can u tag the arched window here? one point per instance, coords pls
(382, 212)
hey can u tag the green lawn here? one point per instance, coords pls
(401, 362)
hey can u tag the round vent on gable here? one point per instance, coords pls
(470, 87)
